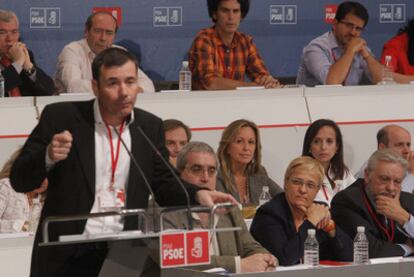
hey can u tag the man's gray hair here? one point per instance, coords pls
(194, 146)
(386, 155)
(7, 16)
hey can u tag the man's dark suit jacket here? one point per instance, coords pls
(72, 181)
(43, 85)
(273, 227)
(349, 212)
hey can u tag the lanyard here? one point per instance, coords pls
(325, 193)
(349, 70)
(226, 73)
(384, 229)
(114, 157)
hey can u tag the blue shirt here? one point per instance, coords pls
(320, 54)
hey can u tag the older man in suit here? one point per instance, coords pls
(236, 251)
(377, 202)
(22, 76)
(76, 146)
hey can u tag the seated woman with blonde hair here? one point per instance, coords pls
(241, 172)
(16, 208)
(281, 225)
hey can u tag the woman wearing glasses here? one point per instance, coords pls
(323, 141)
(281, 225)
(241, 173)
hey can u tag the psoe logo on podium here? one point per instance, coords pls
(44, 18)
(167, 16)
(172, 249)
(392, 13)
(198, 246)
(283, 14)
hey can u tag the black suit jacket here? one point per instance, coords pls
(43, 85)
(72, 181)
(349, 212)
(273, 227)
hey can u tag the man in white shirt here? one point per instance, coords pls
(76, 146)
(74, 72)
(398, 139)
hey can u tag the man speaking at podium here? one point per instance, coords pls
(75, 145)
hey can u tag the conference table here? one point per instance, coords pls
(388, 267)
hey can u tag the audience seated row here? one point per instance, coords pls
(311, 183)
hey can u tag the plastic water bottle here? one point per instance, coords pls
(311, 256)
(35, 214)
(387, 72)
(264, 196)
(2, 86)
(185, 77)
(361, 255)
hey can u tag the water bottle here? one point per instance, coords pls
(387, 72)
(361, 255)
(185, 77)
(311, 256)
(35, 214)
(2, 87)
(264, 196)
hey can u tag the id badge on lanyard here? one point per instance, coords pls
(111, 199)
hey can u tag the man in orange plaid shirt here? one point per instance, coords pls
(220, 56)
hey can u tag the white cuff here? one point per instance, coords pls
(237, 262)
(407, 249)
(49, 163)
(409, 226)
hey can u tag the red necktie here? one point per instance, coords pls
(6, 63)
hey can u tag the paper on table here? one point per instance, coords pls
(386, 260)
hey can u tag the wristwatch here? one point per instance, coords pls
(30, 71)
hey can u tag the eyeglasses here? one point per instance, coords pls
(198, 170)
(352, 26)
(299, 183)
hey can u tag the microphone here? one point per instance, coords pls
(172, 170)
(141, 172)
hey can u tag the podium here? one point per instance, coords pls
(130, 253)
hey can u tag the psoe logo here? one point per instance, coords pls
(44, 18)
(283, 14)
(330, 12)
(392, 13)
(167, 16)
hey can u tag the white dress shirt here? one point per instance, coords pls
(326, 193)
(74, 70)
(103, 171)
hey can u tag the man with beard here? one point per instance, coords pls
(378, 203)
(342, 56)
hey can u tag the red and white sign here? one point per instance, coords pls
(172, 249)
(184, 248)
(330, 12)
(115, 11)
(198, 247)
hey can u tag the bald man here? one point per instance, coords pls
(398, 139)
